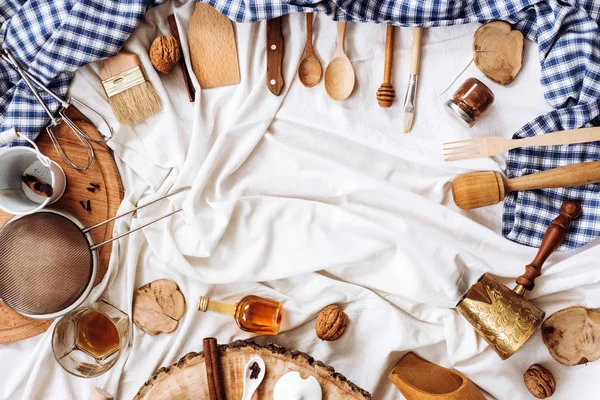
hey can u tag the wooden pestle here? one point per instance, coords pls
(480, 189)
(555, 234)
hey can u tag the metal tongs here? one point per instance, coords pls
(84, 138)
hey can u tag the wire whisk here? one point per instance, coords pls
(55, 120)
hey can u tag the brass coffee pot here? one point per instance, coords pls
(503, 317)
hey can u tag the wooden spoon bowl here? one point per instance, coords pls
(309, 68)
(339, 75)
(310, 71)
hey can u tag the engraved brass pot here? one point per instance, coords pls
(503, 317)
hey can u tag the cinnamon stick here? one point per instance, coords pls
(213, 369)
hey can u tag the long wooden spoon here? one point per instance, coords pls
(339, 75)
(309, 68)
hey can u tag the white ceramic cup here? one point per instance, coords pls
(15, 197)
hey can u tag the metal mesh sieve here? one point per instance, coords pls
(47, 260)
(45, 263)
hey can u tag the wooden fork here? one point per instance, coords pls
(491, 146)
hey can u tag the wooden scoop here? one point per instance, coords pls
(482, 189)
(339, 75)
(418, 379)
(309, 68)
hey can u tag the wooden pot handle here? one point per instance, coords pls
(554, 236)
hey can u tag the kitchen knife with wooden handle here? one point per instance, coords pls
(274, 56)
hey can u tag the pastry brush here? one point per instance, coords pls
(411, 91)
(130, 94)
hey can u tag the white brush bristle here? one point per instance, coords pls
(135, 104)
(408, 121)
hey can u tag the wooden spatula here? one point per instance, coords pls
(212, 48)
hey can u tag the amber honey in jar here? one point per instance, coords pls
(252, 313)
(471, 99)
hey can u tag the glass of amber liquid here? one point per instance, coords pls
(88, 341)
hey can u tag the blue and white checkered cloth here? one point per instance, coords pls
(56, 37)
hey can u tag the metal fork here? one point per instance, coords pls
(491, 146)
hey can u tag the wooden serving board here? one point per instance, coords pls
(104, 205)
(186, 379)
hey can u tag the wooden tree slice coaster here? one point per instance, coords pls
(498, 51)
(158, 306)
(186, 379)
(572, 335)
(104, 203)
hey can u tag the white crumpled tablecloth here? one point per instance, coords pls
(313, 202)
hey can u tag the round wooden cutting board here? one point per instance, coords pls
(186, 379)
(104, 204)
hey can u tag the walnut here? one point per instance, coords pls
(165, 53)
(539, 381)
(331, 323)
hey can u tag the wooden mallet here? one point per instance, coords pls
(480, 189)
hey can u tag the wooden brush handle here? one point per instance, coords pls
(554, 236)
(118, 64)
(389, 54)
(568, 176)
(415, 58)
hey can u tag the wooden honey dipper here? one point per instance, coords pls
(386, 93)
(480, 189)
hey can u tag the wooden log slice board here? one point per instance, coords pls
(104, 205)
(186, 379)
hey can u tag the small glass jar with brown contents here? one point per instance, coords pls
(470, 100)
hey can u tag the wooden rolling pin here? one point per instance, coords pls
(482, 189)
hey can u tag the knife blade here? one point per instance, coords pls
(274, 56)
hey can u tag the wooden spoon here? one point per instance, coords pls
(309, 68)
(339, 75)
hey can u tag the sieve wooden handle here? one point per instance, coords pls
(554, 236)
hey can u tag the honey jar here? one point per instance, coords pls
(470, 100)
